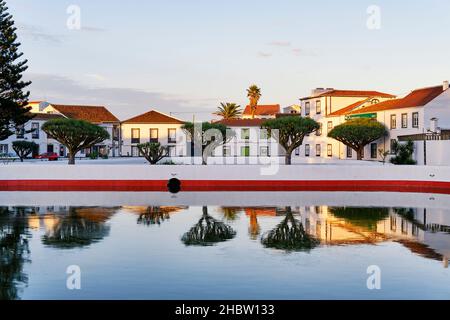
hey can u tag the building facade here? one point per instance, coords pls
(153, 126)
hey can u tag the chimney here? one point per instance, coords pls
(446, 85)
(318, 91)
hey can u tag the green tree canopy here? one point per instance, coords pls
(208, 135)
(403, 153)
(24, 148)
(291, 132)
(76, 135)
(357, 133)
(13, 98)
(153, 152)
(229, 111)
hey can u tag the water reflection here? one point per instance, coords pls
(153, 215)
(289, 235)
(14, 250)
(208, 231)
(424, 232)
(80, 227)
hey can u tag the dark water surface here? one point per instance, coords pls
(229, 251)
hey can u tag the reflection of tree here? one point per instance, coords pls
(363, 217)
(208, 231)
(81, 227)
(229, 213)
(153, 215)
(14, 251)
(289, 235)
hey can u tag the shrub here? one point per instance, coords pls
(403, 153)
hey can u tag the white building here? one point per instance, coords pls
(153, 126)
(326, 106)
(98, 115)
(32, 132)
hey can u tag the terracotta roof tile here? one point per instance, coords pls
(351, 93)
(348, 109)
(46, 116)
(263, 110)
(93, 114)
(417, 98)
(154, 117)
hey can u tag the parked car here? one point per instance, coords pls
(51, 156)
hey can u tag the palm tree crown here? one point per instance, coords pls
(229, 111)
(254, 94)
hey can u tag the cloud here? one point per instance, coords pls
(92, 29)
(303, 52)
(95, 76)
(123, 102)
(38, 34)
(264, 54)
(280, 43)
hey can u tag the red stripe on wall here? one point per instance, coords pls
(227, 185)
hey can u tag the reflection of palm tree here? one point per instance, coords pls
(362, 217)
(208, 231)
(153, 215)
(254, 228)
(81, 227)
(14, 251)
(289, 235)
(229, 213)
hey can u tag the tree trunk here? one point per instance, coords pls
(359, 153)
(287, 158)
(21, 159)
(71, 156)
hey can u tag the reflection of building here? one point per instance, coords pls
(423, 231)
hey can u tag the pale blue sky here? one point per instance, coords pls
(183, 56)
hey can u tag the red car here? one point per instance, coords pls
(51, 156)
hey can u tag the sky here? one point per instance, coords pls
(183, 57)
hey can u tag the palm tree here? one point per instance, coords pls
(254, 94)
(229, 111)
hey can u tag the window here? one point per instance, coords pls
(319, 131)
(393, 143)
(245, 151)
(264, 151)
(318, 107)
(35, 130)
(135, 136)
(245, 134)
(226, 151)
(297, 151)
(263, 134)
(329, 126)
(329, 150)
(393, 121)
(415, 120)
(172, 134)
(349, 152)
(116, 133)
(20, 131)
(154, 135)
(307, 150)
(404, 120)
(307, 109)
(3, 149)
(318, 150)
(373, 150)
